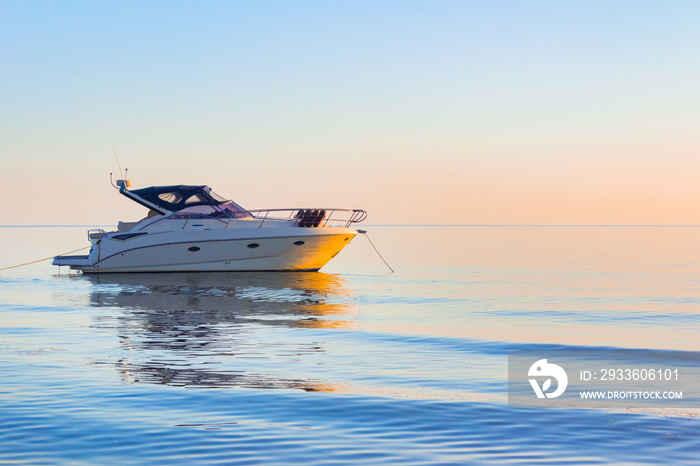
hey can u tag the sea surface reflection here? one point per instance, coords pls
(203, 330)
(352, 366)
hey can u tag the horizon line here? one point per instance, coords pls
(558, 225)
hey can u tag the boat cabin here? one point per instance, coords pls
(183, 201)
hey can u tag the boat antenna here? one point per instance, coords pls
(118, 164)
(124, 183)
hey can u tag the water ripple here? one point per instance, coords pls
(352, 368)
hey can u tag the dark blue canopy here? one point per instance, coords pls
(168, 199)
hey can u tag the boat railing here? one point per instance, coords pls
(303, 217)
(311, 218)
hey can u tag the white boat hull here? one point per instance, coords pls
(213, 251)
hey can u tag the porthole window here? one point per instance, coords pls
(299, 243)
(253, 245)
(193, 249)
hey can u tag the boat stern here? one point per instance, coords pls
(82, 261)
(74, 262)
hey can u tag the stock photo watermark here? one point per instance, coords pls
(604, 378)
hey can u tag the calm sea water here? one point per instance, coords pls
(350, 365)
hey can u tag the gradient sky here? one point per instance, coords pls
(420, 112)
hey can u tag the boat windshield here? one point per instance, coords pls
(228, 209)
(217, 197)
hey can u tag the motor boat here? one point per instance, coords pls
(192, 229)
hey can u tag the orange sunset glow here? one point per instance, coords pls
(420, 114)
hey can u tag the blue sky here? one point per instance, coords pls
(466, 112)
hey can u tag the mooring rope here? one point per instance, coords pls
(364, 232)
(45, 259)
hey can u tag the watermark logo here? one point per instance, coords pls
(541, 369)
(603, 378)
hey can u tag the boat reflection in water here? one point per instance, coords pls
(221, 329)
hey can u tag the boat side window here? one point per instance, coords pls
(196, 198)
(172, 197)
